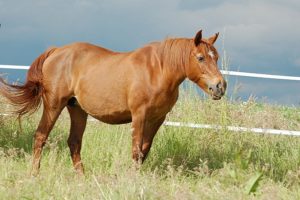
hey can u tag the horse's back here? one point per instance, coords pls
(94, 76)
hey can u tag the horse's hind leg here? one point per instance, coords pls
(78, 123)
(49, 117)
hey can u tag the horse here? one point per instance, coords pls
(140, 86)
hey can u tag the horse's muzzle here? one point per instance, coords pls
(217, 90)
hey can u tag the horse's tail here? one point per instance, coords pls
(27, 98)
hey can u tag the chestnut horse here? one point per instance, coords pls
(139, 87)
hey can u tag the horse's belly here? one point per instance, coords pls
(114, 117)
(104, 101)
(106, 110)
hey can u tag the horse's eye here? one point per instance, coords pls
(200, 58)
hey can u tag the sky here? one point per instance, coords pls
(261, 36)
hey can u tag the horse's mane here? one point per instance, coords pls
(175, 52)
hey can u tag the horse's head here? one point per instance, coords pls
(203, 68)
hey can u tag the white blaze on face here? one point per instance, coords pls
(211, 54)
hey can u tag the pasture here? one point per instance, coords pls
(183, 163)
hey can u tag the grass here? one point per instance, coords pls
(184, 163)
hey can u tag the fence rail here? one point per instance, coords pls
(234, 128)
(14, 67)
(217, 127)
(225, 72)
(256, 75)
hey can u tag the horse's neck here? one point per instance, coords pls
(169, 75)
(172, 77)
(174, 56)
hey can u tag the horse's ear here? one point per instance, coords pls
(213, 38)
(198, 38)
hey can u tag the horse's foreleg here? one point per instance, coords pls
(138, 127)
(47, 121)
(78, 124)
(150, 131)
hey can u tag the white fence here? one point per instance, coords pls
(232, 73)
(255, 75)
(207, 126)
(14, 67)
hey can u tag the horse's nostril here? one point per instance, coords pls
(219, 85)
(210, 89)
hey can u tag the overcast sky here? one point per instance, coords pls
(261, 36)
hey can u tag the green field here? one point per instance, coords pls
(184, 163)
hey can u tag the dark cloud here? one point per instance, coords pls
(258, 36)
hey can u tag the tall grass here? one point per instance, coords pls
(184, 163)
